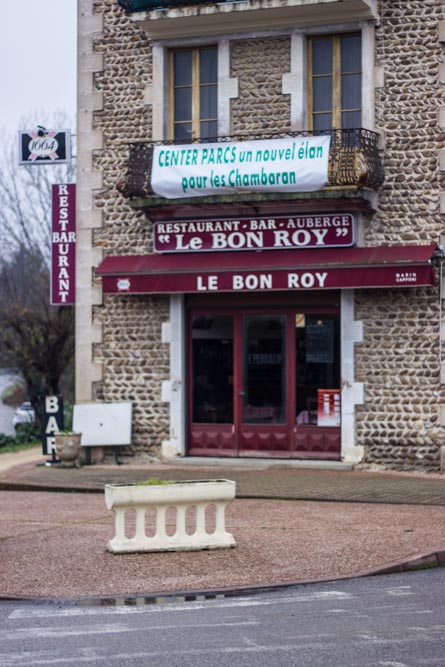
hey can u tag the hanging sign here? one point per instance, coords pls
(295, 164)
(302, 231)
(42, 146)
(63, 244)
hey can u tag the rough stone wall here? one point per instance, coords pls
(135, 361)
(259, 65)
(125, 118)
(398, 362)
(399, 359)
(407, 109)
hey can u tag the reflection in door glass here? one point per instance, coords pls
(264, 369)
(212, 369)
(318, 370)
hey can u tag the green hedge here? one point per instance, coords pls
(25, 434)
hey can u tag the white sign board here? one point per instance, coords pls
(42, 146)
(103, 424)
(295, 164)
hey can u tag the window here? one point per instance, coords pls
(193, 93)
(335, 82)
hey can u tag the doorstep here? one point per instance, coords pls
(259, 463)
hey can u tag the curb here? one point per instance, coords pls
(93, 488)
(419, 561)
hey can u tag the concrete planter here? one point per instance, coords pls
(68, 447)
(181, 496)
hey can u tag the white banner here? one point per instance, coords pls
(298, 164)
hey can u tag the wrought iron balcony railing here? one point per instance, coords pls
(149, 5)
(354, 160)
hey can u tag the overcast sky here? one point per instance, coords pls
(38, 60)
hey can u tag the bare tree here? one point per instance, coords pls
(25, 197)
(37, 339)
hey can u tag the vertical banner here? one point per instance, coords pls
(52, 422)
(328, 407)
(63, 244)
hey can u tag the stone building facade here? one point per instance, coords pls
(138, 346)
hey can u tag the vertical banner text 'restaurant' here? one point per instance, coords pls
(63, 244)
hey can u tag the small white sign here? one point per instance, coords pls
(295, 164)
(103, 424)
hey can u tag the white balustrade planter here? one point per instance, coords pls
(199, 494)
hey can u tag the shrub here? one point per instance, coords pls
(25, 434)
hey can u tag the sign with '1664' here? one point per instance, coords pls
(43, 146)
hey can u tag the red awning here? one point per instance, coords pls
(329, 268)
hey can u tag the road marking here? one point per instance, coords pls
(191, 606)
(400, 591)
(45, 633)
(31, 659)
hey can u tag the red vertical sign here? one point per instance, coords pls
(63, 244)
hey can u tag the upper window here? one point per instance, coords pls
(193, 93)
(335, 82)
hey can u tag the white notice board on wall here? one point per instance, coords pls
(103, 424)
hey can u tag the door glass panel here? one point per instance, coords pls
(351, 91)
(322, 94)
(264, 369)
(208, 102)
(208, 66)
(318, 369)
(183, 104)
(182, 68)
(322, 50)
(351, 119)
(183, 131)
(208, 129)
(212, 369)
(351, 53)
(322, 121)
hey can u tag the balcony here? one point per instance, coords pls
(165, 19)
(355, 171)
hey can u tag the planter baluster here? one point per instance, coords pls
(179, 495)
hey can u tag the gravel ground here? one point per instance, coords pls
(54, 545)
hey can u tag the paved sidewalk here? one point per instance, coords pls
(291, 526)
(274, 482)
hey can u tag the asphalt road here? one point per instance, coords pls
(386, 621)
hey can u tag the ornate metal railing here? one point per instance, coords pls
(149, 5)
(354, 160)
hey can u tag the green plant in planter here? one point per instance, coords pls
(154, 481)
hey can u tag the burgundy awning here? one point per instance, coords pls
(329, 268)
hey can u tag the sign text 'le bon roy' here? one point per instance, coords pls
(304, 231)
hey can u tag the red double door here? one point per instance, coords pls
(264, 381)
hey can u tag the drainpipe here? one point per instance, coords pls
(440, 255)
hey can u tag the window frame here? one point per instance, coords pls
(336, 72)
(196, 87)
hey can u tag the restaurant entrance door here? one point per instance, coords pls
(264, 382)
